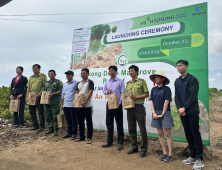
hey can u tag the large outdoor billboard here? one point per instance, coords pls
(153, 42)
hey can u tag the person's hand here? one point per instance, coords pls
(183, 114)
(27, 99)
(109, 91)
(159, 116)
(181, 110)
(61, 107)
(148, 99)
(50, 96)
(133, 97)
(155, 116)
(19, 96)
(11, 97)
(83, 104)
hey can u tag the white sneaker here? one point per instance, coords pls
(189, 161)
(198, 164)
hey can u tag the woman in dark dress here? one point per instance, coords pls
(161, 117)
(18, 90)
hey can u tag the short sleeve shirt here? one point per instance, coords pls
(36, 83)
(138, 87)
(68, 92)
(84, 88)
(54, 86)
(159, 95)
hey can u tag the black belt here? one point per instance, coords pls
(139, 105)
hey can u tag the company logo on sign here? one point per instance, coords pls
(198, 11)
(160, 19)
(123, 60)
(197, 8)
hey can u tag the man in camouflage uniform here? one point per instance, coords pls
(137, 114)
(52, 109)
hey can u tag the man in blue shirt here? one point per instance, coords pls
(68, 92)
(114, 85)
(186, 99)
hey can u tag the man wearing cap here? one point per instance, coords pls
(68, 92)
(161, 118)
(35, 85)
(52, 110)
(137, 114)
(186, 99)
(112, 86)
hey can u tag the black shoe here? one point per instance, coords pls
(142, 154)
(40, 129)
(107, 145)
(67, 136)
(73, 137)
(120, 147)
(133, 150)
(56, 132)
(34, 128)
(49, 131)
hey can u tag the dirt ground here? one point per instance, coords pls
(23, 149)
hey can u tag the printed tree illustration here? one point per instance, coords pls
(98, 31)
(114, 28)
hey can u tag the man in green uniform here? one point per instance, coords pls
(35, 85)
(137, 114)
(52, 109)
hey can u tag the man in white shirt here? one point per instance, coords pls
(86, 87)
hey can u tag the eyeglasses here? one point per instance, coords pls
(34, 68)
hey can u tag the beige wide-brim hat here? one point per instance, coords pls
(152, 77)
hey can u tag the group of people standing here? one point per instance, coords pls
(186, 100)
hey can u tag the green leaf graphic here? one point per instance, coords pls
(177, 118)
(173, 112)
(176, 126)
(175, 108)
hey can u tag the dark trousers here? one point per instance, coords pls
(118, 115)
(18, 118)
(82, 114)
(137, 114)
(70, 115)
(193, 136)
(32, 110)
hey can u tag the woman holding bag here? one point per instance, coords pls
(161, 118)
(18, 90)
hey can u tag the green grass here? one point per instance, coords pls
(214, 92)
(4, 106)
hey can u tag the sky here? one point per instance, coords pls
(49, 44)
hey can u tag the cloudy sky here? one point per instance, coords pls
(49, 44)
